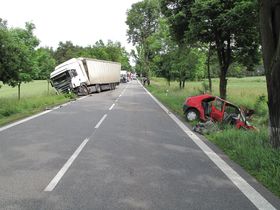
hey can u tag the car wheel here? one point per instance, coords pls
(191, 115)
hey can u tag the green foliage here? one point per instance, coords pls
(65, 51)
(232, 27)
(178, 14)
(142, 21)
(7, 55)
(17, 50)
(253, 152)
(112, 51)
(44, 62)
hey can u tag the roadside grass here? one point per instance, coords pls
(35, 98)
(250, 149)
(34, 88)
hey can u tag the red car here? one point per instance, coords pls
(206, 107)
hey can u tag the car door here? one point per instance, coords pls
(217, 110)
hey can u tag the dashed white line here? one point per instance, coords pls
(255, 197)
(100, 121)
(112, 107)
(66, 166)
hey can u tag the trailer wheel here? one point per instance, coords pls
(98, 88)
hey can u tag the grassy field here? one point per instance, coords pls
(250, 149)
(34, 98)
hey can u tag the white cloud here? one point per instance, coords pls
(83, 22)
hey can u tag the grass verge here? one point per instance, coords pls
(12, 109)
(36, 96)
(249, 149)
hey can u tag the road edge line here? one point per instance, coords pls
(253, 195)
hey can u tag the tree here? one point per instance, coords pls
(270, 33)
(178, 14)
(7, 53)
(190, 62)
(65, 51)
(26, 42)
(232, 26)
(142, 21)
(45, 64)
(17, 51)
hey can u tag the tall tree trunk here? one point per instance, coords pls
(19, 90)
(184, 83)
(270, 33)
(208, 69)
(224, 56)
(223, 84)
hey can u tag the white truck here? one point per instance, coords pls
(83, 76)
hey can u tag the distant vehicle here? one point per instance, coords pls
(123, 75)
(206, 107)
(83, 76)
(134, 77)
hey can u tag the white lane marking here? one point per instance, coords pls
(255, 197)
(100, 121)
(112, 107)
(66, 166)
(122, 92)
(35, 116)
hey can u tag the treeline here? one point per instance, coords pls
(21, 60)
(192, 40)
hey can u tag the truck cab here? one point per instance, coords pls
(68, 76)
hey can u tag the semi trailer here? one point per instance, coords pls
(84, 75)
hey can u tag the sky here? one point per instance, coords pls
(81, 21)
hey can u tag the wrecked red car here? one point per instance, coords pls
(207, 107)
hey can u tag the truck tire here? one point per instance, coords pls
(83, 90)
(98, 88)
(191, 115)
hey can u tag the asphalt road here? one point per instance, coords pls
(118, 150)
